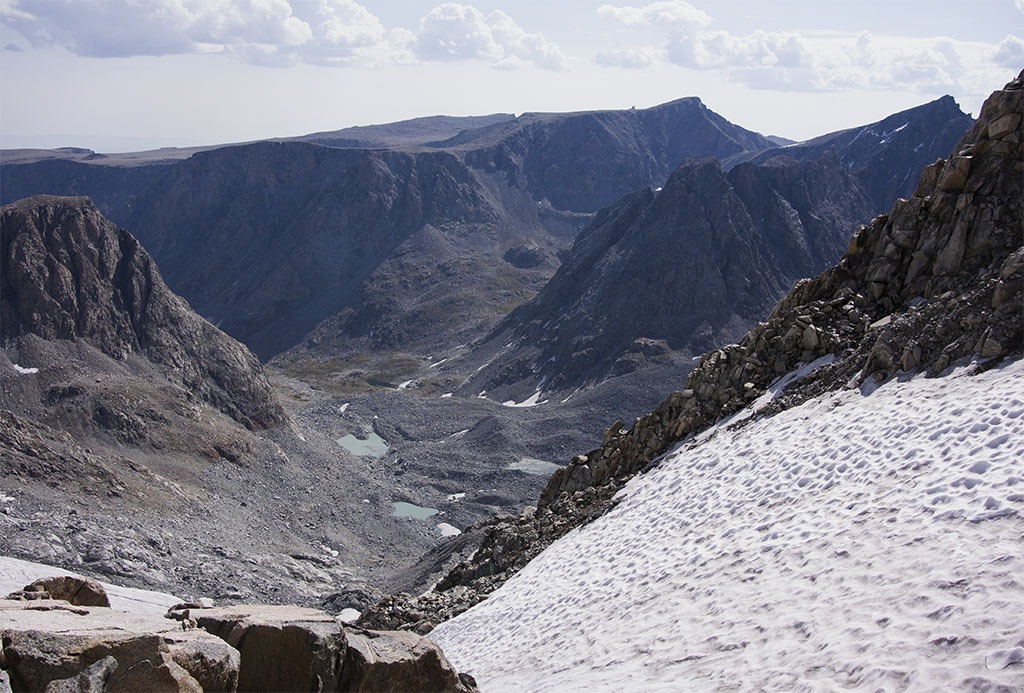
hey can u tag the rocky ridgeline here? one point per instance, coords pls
(69, 273)
(936, 280)
(59, 635)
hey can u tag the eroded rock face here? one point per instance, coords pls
(938, 279)
(95, 679)
(68, 273)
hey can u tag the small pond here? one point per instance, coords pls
(403, 509)
(371, 446)
(531, 465)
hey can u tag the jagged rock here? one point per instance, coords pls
(45, 641)
(93, 680)
(76, 590)
(398, 661)
(68, 273)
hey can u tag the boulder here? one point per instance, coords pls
(282, 648)
(79, 591)
(92, 680)
(47, 641)
(397, 661)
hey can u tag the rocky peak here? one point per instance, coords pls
(68, 273)
(886, 156)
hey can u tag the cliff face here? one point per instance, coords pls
(939, 278)
(694, 265)
(886, 156)
(584, 161)
(69, 274)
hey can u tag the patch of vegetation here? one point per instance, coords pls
(317, 371)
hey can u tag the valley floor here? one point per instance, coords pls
(867, 539)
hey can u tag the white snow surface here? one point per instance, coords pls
(531, 401)
(16, 573)
(25, 371)
(869, 539)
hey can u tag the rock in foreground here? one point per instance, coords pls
(52, 645)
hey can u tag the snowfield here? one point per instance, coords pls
(869, 539)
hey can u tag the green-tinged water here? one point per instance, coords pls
(403, 509)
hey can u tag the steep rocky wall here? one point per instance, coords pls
(937, 279)
(68, 273)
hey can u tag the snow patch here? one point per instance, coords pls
(531, 401)
(448, 530)
(343, 408)
(862, 542)
(15, 574)
(23, 370)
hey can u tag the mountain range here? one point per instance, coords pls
(411, 246)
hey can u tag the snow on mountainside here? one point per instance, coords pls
(868, 538)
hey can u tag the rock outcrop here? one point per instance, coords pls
(46, 641)
(937, 280)
(68, 274)
(54, 646)
(287, 648)
(77, 591)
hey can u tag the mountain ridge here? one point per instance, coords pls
(616, 308)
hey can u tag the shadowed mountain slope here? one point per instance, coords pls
(886, 156)
(330, 251)
(70, 274)
(700, 261)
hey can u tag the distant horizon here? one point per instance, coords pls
(148, 144)
(118, 76)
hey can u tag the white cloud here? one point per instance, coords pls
(1009, 52)
(720, 49)
(276, 32)
(456, 32)
(527, 47)
(792, 61)
(630, 58)
(461, 32)
(118, 28)
(1019, 4)
(672, 13)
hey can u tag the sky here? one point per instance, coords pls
(124, 75)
